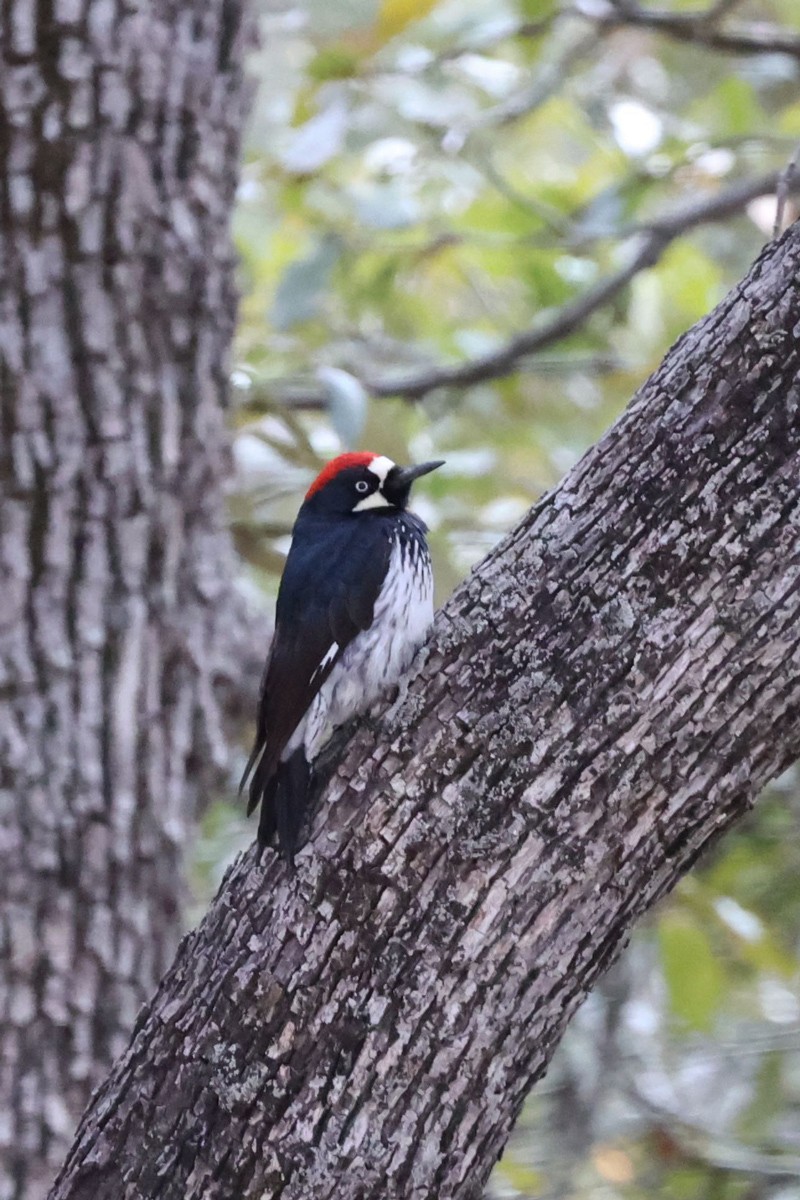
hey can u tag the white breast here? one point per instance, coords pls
(376, 658)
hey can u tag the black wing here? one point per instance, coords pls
(327, 596)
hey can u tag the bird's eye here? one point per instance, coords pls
(362, 486)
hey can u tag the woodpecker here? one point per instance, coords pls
(354, 604)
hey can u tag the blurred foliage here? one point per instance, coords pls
(422, 182)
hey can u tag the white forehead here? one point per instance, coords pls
(381, 466)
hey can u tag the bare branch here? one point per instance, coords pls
(654, 238)
(698, 28)
(306, 395)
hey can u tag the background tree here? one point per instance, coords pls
(119, 150)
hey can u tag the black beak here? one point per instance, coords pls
(403, 477)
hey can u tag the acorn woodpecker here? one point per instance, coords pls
(354, 604)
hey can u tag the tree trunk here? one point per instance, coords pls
(119, 148)
(603, 696)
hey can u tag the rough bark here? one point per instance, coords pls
(604, 695)
(119, 148)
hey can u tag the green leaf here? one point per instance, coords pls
(536, 10)
(334, 62)
(694, 976)
(318, 139)
(298, 296)
(396, 14)
(347, 404)
(732, 106)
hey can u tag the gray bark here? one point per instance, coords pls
(603, 696)
(119, 148)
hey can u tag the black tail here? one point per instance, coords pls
(283, 796)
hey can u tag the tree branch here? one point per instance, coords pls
(603, 696)
(697, 28)
(653, 239)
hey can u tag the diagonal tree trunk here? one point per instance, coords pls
(606, 693)
(119, 148)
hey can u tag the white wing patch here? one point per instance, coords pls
(377, 656)
(327, 658)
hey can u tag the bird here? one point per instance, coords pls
(354, 604)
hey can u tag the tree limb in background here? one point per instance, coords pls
(653, 238)
(604, 695)
(699, 28)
